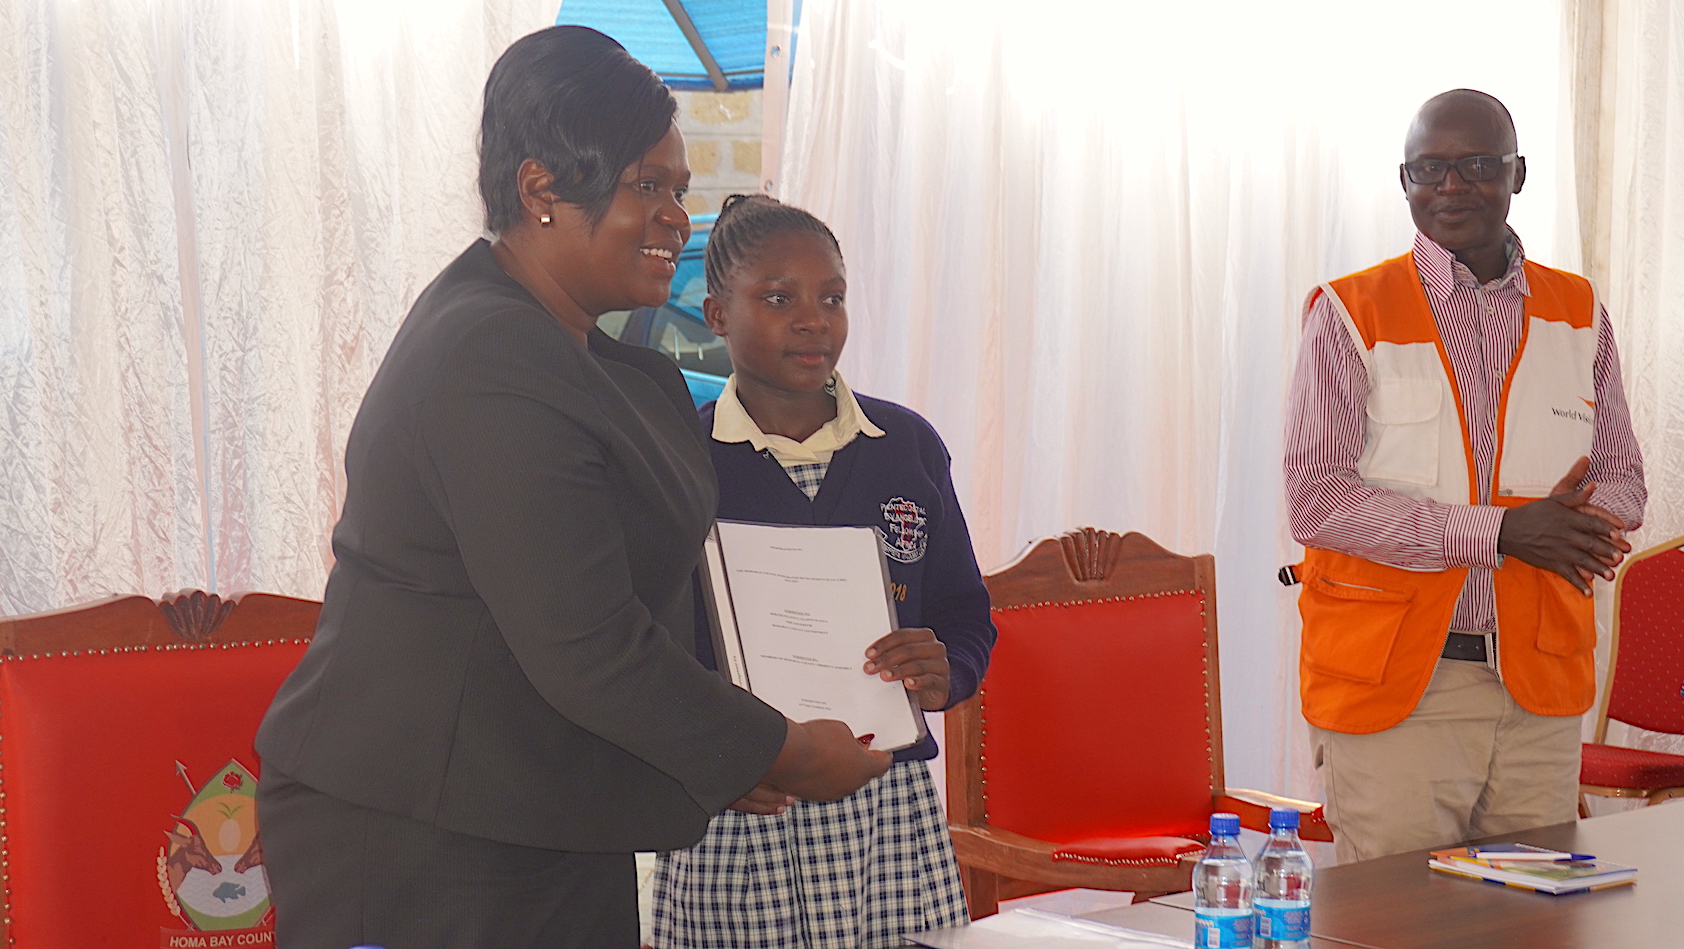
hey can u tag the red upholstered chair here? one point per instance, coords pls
(1645, 680)
(127, 815)
(1092, 755)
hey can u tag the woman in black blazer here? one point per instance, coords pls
(500, 703)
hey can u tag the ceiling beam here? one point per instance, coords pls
(681, 16)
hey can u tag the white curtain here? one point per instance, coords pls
(1079, 234)
(1078, 238)
(215, 213)
(1628, 94)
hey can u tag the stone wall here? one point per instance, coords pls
(722, 135)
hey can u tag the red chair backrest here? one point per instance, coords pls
(1647, 689)
(1095, 719)
(129, 775)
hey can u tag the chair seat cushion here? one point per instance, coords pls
(1128, 851)
(1615, 767)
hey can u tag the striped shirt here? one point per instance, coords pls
(1330, 506)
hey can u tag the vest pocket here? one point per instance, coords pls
(1357, 624)
(1403, 431)
(1541, 443)
(1566, 617)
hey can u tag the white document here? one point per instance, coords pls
(794, 609)
(1033, 929)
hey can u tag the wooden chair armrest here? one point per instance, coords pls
(1266, 800)
(1025, 858)
(1253, 808)
(994, 839)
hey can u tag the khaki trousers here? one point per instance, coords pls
(1467, 763)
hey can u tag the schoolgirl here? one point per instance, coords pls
(793, 445)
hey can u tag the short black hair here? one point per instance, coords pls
(575, 101)
(745, 223)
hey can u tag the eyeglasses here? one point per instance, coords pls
(1431, 171)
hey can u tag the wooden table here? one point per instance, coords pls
(1396, 902)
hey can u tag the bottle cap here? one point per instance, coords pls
(1224, 825)
(1283, 817)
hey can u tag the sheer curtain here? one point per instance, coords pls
(215, 214)
(1628, 96)
(1079, 236)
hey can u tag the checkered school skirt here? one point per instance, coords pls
(852, 874)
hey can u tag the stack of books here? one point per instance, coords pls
(1533, 868)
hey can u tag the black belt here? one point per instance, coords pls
(1466, 646)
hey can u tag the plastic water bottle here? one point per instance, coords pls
(1222, 910)
(1284, 877)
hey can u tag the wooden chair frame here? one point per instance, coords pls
(188, 616)
(998, 864)
(1651, 796)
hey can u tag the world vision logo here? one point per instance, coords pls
(1575, 414)
(211, 867)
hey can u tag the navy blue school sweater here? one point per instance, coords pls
(900, 484)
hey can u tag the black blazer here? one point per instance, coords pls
(505, 645)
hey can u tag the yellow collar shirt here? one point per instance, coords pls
(732, 423)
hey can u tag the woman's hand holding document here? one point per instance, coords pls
(795, 610)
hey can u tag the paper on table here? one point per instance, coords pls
(794, 610)
(1072, 902)
(1182, 900)
(1033, 929)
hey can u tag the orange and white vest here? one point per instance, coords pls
(1373, 632)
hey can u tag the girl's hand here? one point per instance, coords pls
(917, 658)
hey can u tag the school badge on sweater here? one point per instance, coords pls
(905, 536)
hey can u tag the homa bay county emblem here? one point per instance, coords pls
(211, 867)
(904, 537)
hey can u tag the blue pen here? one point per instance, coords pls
(1550, 856)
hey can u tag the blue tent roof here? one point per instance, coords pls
(731, 33)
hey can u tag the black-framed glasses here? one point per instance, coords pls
(1431, 171)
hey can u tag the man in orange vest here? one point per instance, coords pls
(1453, 411)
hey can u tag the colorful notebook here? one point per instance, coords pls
(1561, 875)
